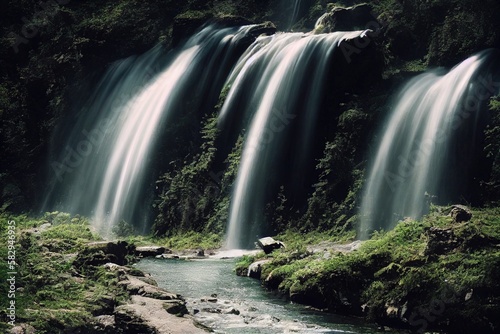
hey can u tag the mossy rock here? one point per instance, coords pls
(98, 253)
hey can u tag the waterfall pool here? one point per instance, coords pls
(242, 305)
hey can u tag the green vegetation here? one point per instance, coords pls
(444, 32)
(81, 38)
(60, 285)
(397, 275)
(181, 240)
(190, 192)
(492, 149)
(393, 269)
(51, 296)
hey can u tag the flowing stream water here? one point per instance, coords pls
(260, 311)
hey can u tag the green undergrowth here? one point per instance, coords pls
(399, 275)
(181, 240)
(294, 238)
(50, 294)
(296, 246)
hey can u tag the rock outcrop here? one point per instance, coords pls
(359, 17)
(268, 244)
(149, 251)
(144, 307)
(148, 309)
(255, 269)
(99, 253)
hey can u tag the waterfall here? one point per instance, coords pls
(105, 168)
(277, 80)
(295, 13)
(428, 143)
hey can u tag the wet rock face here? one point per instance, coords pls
(185, 26)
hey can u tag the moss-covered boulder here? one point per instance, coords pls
(99, 253)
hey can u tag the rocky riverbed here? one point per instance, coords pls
(226, 303)
(132, 302)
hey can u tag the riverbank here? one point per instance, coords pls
(438, 273)
(66, 280)
(230, 304)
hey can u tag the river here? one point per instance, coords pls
(242, 306)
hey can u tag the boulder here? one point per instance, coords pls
(211, 299)
(199, 253)
(358, 17)
(168, 256)
(233, 311)
(136, 286)
(175, 307)
(100, 253)
(268, 244)
(130, 320)
(22, 329)
(149, 251)
(104, 324)
(460, 213)
(255, 268)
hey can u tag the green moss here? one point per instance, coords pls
(491, 186)
(393, 268)
(192, 190)
(49, 296)
(413, 66)
(242, 265)
(191, 240)
(180, 240)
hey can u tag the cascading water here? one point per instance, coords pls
(103, 172)
(428, 144)
(278, 79)
(295, 13)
